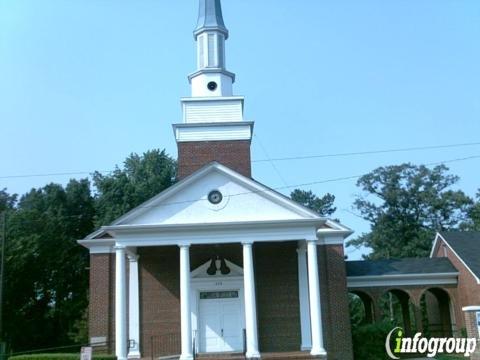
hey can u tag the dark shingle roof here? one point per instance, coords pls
(467, 246)
(400, 266)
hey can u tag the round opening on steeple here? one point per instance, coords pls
(215, 197)
(212, 86)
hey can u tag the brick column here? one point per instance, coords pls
(472, 325)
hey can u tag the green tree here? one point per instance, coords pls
(322, 205)
(141, 178)
(46, 276)
(405, 205)
(473, 222)
(7, 201)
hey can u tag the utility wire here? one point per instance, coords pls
(418, 148)
(300, 185)
(271, 162)
(346, 154)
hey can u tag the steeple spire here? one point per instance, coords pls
(211, 78)
(210, 17)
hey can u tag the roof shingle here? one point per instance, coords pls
(400, 266)
(467, 246)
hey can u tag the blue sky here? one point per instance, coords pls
(85, 83)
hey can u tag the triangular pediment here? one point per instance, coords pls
(243, 200)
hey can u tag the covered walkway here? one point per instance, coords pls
(417, 293)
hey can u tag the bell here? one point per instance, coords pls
(212, 269)
(224, 269)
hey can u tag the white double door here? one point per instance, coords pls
(220, 325)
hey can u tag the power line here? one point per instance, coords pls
(54, 174)
(356, 153)
(300, 185)
(271, 162)
(346, 154)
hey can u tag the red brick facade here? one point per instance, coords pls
(234, 154)
(468, 290)
(101, 307)
(278, 309)
(473, 332)
(335, 309)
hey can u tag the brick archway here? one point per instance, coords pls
(439, 318)
(368, 305)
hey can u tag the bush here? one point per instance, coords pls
(59, 357)
(369, 341)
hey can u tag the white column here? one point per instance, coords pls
(315, 306)
(120, 304)
(133, 308)
(250, 303)
(306, 336)
(185, 316)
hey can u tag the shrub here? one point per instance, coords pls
(369, 341)
(68, 356)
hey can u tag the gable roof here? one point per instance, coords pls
(466, 245)
(251, 187)
(400, 267)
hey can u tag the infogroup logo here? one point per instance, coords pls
(428, 346)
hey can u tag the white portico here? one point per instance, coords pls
(216, 307)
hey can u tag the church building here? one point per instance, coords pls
(218, 264)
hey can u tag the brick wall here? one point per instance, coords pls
(233, 154)
(159, 297)
(334, 295)
(468, 290)
(101, 305)
(472, 331)
(278, 308)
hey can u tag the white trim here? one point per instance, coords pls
(121, 330)
(212, 98)
(241, 130)
(471, 308)
(218, 225)
(434, 244)
(316, 324)
(185, 304)
(455, 253)
(250, 303)
(212, 235)
(133, 308)
(334, 238)
(402, 280)
(306, 336)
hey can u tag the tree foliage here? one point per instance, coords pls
(322, 205)
(473, 221)
(405, 205)
(141, 178)
(46, 275)
(46, 270)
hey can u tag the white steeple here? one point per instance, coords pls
(211, 77)
(213, 127)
